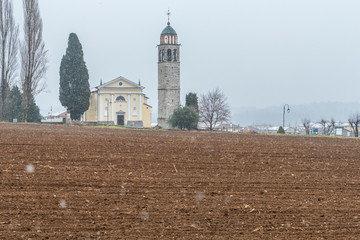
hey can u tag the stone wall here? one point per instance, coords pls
(135, 124)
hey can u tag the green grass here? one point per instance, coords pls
(19, 122)
(109, 126)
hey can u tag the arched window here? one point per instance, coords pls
(166, 39)
(175, 55)
(169, 55)
(134, 111)
(162, 55)
(120, 99)
(159, 55)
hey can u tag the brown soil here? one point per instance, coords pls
(96, 183)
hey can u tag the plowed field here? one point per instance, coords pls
(71, 182)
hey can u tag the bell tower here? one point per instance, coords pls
(168, 75)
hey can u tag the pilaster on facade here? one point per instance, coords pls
(140, 108)
(112, 107)
(100, 108)
(129, 109)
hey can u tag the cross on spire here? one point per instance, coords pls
(168, 13)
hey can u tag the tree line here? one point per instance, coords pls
(22, 77)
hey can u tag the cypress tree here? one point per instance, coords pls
(74, 79)
(33, 112)
(281, 130)
(15, 110)
(192, 100)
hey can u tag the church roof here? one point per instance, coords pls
(122, 79)
(169, 30)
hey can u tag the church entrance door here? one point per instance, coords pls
(120, 120)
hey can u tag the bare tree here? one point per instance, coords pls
(324, 124)
(9, 33)
(327, 126)
(354, 122)
(306, 124)
(331, 126)
(33, 55)
(213, 108)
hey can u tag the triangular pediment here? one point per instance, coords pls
(120, 113)
(121, 83)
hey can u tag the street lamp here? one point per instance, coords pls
(288, 110)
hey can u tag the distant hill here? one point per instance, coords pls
(274, 115)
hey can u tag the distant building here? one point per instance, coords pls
(59, 117)
(270, 129)
(228, 127)
(119, 102)
(344, 131)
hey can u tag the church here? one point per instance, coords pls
(122, 102)
(119, 102)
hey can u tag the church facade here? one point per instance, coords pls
(119, 102)
(168, 75)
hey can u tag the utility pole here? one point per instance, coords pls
(288, 111)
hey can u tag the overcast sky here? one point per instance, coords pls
(260, 53)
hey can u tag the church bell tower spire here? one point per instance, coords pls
(168, 23)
